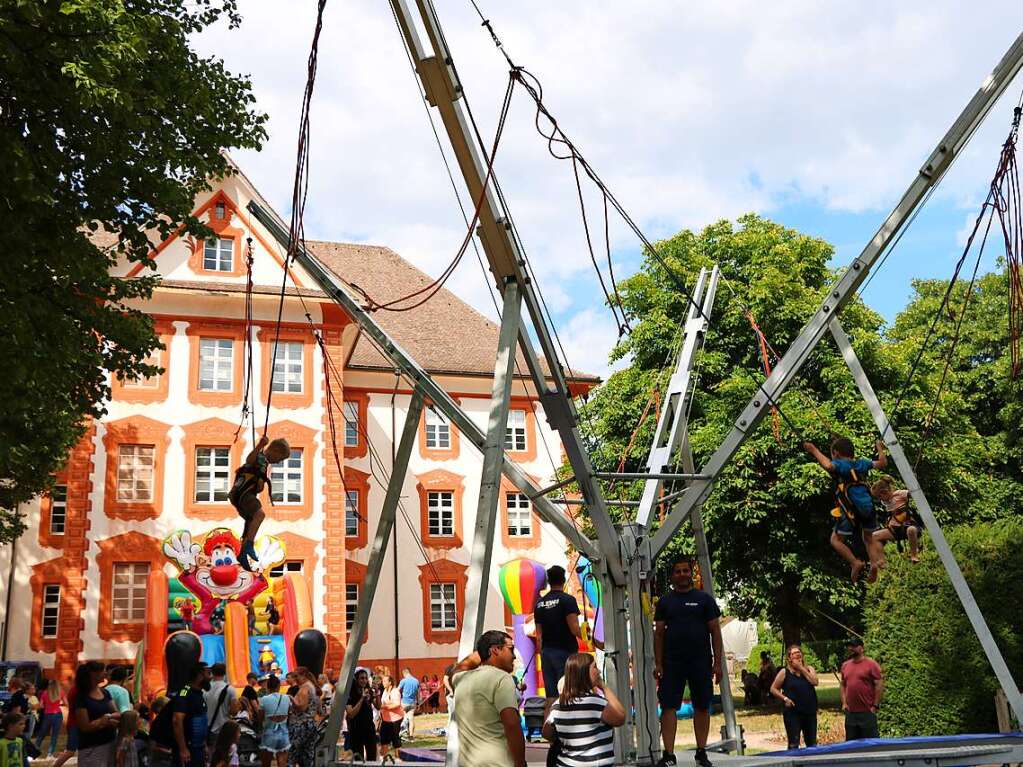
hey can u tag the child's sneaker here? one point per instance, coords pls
(247, 554)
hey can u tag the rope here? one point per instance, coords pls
(247, 394)
(401, 304)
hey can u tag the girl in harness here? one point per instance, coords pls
(249, 480)
(854, 510)
(902, 523)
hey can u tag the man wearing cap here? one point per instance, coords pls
(862, 690)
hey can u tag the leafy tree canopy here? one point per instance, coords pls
(110, 124)
(768, 518)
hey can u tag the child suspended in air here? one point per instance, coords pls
(855, 504)
(902, 524)
(249, 480)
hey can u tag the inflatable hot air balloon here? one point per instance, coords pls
(593, 597)
(521, 582)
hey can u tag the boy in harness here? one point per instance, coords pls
(902, 523)
(249, 480)
(854, 510)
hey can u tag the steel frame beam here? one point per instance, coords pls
(331, 736)
(845, 289)
(948, 560)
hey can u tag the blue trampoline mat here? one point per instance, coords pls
(889, 744)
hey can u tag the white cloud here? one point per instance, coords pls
(677, 105)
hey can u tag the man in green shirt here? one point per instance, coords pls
(487, 705)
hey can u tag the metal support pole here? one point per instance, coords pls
(327, 753)
(962, 589)
(638, 566)
(671, 425)
(616, 657)
(850, 281)
(476, 590)
(490, 485)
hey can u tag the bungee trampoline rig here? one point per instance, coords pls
(623, 556)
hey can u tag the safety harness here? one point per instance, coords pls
(845, 506)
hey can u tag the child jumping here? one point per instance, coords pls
(249, 480)
(855, 510)
(902, 524)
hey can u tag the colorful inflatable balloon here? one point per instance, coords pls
(521, 582)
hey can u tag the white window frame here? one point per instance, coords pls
(289, 367)
(440, 508)
(133, 462)
(352, 592)
(516, 437)
(58, 509)
(130, 583)
(443, 606)
(49, 623)
(288, 566)
(216, 364)
(215, 472)
(352, 431)
(218, 254)
(438, 430)
(288, 475)
(520, 515)
(352, 512)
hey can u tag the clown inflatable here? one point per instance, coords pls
(220, 604)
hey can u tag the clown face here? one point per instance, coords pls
(222, 575)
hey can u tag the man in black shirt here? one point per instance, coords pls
(189, 718)
(686, 624)
(556, 616)
(18, 703)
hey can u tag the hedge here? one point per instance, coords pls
(938, 680)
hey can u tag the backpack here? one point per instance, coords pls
(845, 505)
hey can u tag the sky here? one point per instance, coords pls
(815, 114)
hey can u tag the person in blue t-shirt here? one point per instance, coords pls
(855, 505)
(409, 688)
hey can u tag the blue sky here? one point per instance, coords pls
(815, 114)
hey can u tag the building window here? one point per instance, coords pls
(515, 435)
(351, 604)
(51, 610)
(440, 505)
(135, 473)
(443, 611)
(288, 367)
(292, 566)
(216, 356)
(438, 431)
(220, 210)
(212, 474)
(286, 479)
(58, 509)
(351, 424)
(351, 513)
(128, 596)
(218, 255)
(520, 517)
(147, 382)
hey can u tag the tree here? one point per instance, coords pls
(768, 519)
(110, 124)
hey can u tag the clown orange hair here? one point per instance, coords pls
(221, 537)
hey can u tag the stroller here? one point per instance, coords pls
(533, 710)
(248, 742)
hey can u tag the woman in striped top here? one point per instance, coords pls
(582, 719)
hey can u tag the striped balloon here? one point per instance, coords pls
(521, 582)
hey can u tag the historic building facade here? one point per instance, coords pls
(162, 457)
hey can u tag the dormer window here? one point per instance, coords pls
(218, 255)
(221, 210)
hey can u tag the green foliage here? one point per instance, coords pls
(777, 651)
(767, 519)
(109, 124)
(938, 680)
